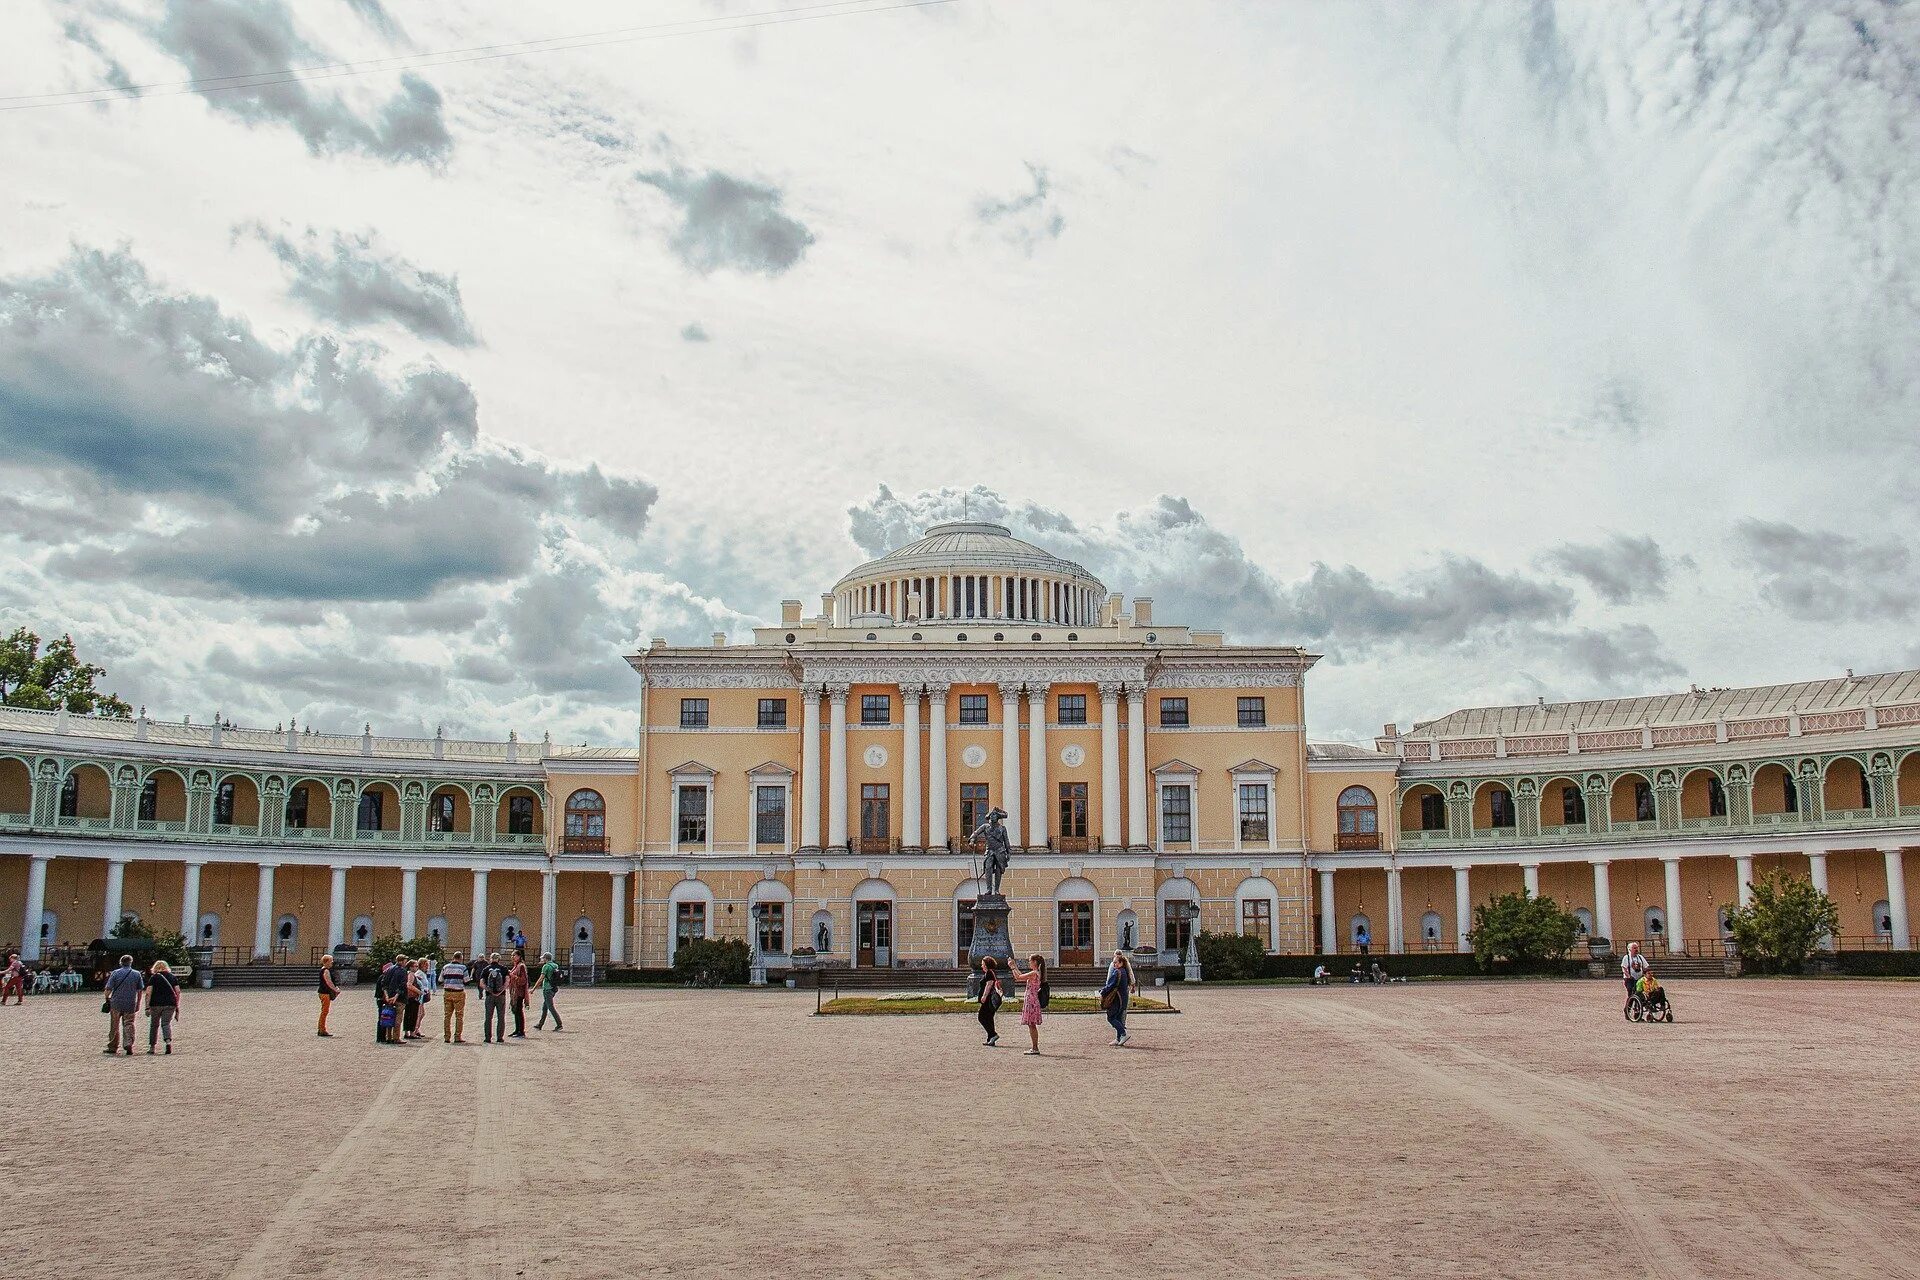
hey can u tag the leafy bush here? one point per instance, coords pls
(391, 945)
(168, 944)
(1878, 964)
(1522, 931)
(1782, 923)
(1227, 957)
(711, 962)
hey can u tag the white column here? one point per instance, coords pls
(337, 909)
(1462, 907)
(477, 935)
(617, 944)
(36, 906)
(1137, 766)
(263, 914)
(409, 901)
(1743, 872)
(1109, 766)
(1530, 875)
(1329, 924)
(190, 904)
(810, 768)
(1676, 931)
(1897, 897)
(837, 766)
(1602, 901)
(937, 766)
(1010, 758)
(1396, 943)
(549, 896)
(1037, 798)
(910, 770)
(1817, 870)
(116, 886)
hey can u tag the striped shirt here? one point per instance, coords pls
(453, 976)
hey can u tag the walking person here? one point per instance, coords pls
(1115, 994)
(328, 990)
(1035, 979)
(16, 980)
(123, 989)
(549, 983)
(453, 999)
(990, 999)
(163, 1005)
(1633, 967)
(493, 992)
(517, 988)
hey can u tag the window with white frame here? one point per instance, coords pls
(1176, 813)
(770, 815)
(1253, 811)
(692, 817)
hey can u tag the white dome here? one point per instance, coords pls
(969, 569)
(964, 545)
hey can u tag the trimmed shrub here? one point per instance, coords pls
(386, 948)
(712, 962)
(1225, 957)
(168, 944)
(1878, 964)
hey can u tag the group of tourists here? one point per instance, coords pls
(126, 990)
(1115, 995)
(405, 987)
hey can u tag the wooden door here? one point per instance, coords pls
(873, 934)
(1075, 921)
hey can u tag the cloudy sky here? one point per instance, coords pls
(1494, 351)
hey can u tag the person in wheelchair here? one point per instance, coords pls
(1653, 996)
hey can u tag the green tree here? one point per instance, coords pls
(1522, 930)
(388, 946)
(168, 944)
(1226, 957)
(1782, 923)
(711, 962)
(53, 679)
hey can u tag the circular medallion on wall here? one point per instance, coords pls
(875, 756)
(974, 756)
(1072, 756)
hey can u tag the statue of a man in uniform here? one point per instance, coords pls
(998, 852)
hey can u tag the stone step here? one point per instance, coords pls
(260, 976)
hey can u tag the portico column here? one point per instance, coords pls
(477, 936)
(810, 768)
(190, 904)
(1109, 766)
(1675, 927)
(910, 770)
(409, 900)
(1036, 766)
(1602, 900)
(337, 909)
(1395, 943)
(36, 906)
(1137, 766)
(1530, 876)
(837, 766)
(549, 897)
(1897, 897)
(1010, 758)
(263, 914)
(1462, 907)
(1743, 872)
(1329, 926)
(937, 766)
(617, 944)
(1817, 872)
(116, 886)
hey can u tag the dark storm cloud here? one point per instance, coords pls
(227, 38)
(1029, 219)
(729, 222)
(1820, 576)
(1621, 570)
(350, 279)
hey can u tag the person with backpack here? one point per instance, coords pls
(493, 992)
(163, 1005)
(122, 1002)
(1115, 993)
(549, 983)
(1035, 999)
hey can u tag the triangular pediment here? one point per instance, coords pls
(770, 768)
(1174, 766)
(1255, 765)
(691, 769)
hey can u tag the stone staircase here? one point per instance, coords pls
(1060, 978)
(1669, 965)
(250, 977)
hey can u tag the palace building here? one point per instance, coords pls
(816, 787)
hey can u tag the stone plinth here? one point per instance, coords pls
(990, 938)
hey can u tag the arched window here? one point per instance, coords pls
(362, 931)
(586, 822)
(1882, 920)
(1430, 925)
(370, 810)
(286, 933)
(1583, 922)
(296, 818)
(223, 805)
(1656, 925)
(440, 812)
(1359, 820)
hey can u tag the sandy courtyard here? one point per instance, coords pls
(1519, 1129)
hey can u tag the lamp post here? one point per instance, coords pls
(1193, 942)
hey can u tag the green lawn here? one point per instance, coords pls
(871, 1005)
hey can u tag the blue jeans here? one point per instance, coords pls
(1117, 1014)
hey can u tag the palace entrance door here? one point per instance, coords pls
(873, 934)
(1076, 932)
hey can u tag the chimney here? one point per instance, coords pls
(658, 642)
(719, 639)
(1115, 603)
(1143, 611)
(826, 606)
(789, 613)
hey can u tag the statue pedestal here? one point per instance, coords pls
(990, 938)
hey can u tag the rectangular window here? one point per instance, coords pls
(1573, 807)
(973, 708)
(440, 813)
(965, 931)
(1173, 713)
(370, 811)
(296, 808)
(1433, 812)
(70, 796)
(693, 815)
(1716, 798)
(1177, 925)
(1073, 810)
(689, 922)
(1789, 794)
(1642, 801)
(1176, 815)
(1253, 713)
(1073, 708)
(876, 708)
(1253, 811)
(973, 806)
(223, 805)
(1500, 807)
(1256, 921)
(773, 713)
(773, 928)
(876, 819)
(693, 713)
(1866, 793)
(519, 815)
(149, 799)
(770, 815)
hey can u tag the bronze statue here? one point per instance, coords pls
(998, 854)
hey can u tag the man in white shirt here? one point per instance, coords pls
(1633, 967)
(453, 999)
